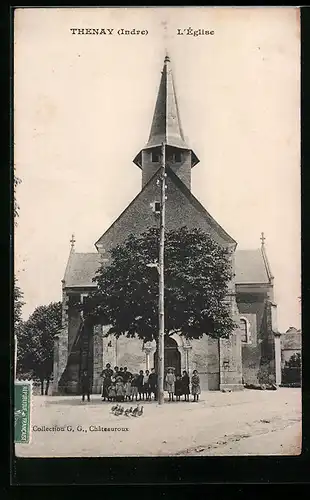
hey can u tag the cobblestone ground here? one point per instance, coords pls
(248, 422)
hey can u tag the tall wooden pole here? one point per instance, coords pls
(161, 307)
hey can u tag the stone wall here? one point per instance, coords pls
(213, 365)
(139, 216)
(124, 352)
(252, 307)
(269, 343)
(182, 169)
(97, 359)
(231, 362)
(60, 357)
(74, 322)
(61, 345)
(202, 355)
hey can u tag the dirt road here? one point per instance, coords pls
(248, 422)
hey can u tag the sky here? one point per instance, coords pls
(83, 107)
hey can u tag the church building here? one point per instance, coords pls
(252, 353)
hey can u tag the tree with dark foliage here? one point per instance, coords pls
(36, 343)
(197, 275)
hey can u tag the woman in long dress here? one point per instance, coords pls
(185, 385)
(195, 385)
(170, 383)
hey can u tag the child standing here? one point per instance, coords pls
(195, 385)
(185, 385)
(178, 388)
(134, 387)
(112, 391)
(146, 384)
(140, 384)
(170, 382)
(128, 389)
(119, 389)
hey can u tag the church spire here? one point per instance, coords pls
(166, 129)
(166, 125)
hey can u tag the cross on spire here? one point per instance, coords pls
(166, 38)
(262, 238)
(165, 26)
(72, 241)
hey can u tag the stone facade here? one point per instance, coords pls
(197, 354)
(259, 351)
(222, 364)
(138, 216)
(181, 168)
(60, 358)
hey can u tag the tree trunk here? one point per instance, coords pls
(47, 386)
(42, 387)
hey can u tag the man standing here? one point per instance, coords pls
(85, 383)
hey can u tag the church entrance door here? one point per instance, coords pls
(172, 356)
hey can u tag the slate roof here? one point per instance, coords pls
(196, 203)
(166, 124)
(191, 198)
(249, 268)
(81, 268)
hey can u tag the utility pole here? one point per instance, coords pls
(161, 307)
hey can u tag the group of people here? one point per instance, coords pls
(121, 385)
(179, 386)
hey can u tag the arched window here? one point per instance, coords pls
(244, 330)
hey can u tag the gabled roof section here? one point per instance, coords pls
(193, 200)
(250, 267)
(81, 268)
(128, 206)
(266, 262)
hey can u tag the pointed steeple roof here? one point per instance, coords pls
(166, 125)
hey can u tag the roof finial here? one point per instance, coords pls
(262, 238)
(72, 241)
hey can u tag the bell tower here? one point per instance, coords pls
(166, 128)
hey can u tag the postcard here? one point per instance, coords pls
(157, 299)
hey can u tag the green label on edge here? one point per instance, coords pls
(22, 405)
